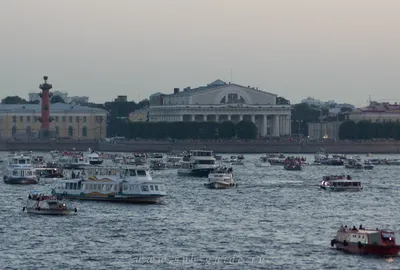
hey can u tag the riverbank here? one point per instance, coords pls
(385, 147)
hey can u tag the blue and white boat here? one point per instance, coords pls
(20, 171)
(127, 183)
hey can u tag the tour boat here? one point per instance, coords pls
(276, 159)
(20, 171)
(93, 158)
(48, 205)
(340, 183)
(262, 162)
(73, 160)
(293, 166)
(127, 183)
(220, 178)
(157, 165)
(197, 163)
(49, 172)
(366, 241)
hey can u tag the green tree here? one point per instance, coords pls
(13, 100)
(348, 130)
(57, 99)
(246, 130)
(282, 101)
(227, 130)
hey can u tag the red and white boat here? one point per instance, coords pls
(366, 241)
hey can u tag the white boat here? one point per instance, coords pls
(73, 161)
(340, 183)
(276, 159)
(392, 161)
(48, 205)
(93, 157)
(236, 161)
(262, 162)
(220, 178)
(20, 171)
(127, 183)
(197, 163)
(174, 162)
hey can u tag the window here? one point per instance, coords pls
(70, 119)
(28, 119)
(70, 131)
(14, 119)
(63, 119)
(156, 187)
(151, 187)
(56, 118)
(84, 131)
(145, 188)
(141, 173)
(21, 119)
(132, 172)
(84, 119)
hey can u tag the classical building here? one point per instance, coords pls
(377, 112)
(69, 121)
(220, 101)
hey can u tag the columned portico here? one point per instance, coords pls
(221, 102)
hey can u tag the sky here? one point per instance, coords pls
(327, 49)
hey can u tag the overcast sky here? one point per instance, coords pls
(343, 50)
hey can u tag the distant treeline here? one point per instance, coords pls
(185, 130)
(366, 130)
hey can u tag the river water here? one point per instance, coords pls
(274, 219)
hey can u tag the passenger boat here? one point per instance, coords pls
(49, 172)
(276, 159)
(48, 205)
(127, 183)
(340, 183)
(220, 178)
(93, 158)
(353, 164)
(73, 160)
(293, 166)
(262, 162)
(20, 171)
(198, 163)
(366, 241)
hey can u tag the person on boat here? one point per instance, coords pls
(361, 227)
(354, 228)
(345, 228)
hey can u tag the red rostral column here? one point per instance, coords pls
(45, 107)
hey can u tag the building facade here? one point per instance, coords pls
(68, 121)
(220, 101)
(377, 112)
(323, 130)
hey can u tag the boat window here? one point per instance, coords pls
(141, 173)
(151, 187)
(126, 187)
(156, 187)
(145, 188)
(15, 173)
(162, 188)
(132, 172)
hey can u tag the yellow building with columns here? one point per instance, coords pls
(68, 121)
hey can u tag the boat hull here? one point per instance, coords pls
(125, 199)
(219, 185)
(50, 211)
(356, 248)
(20, 181)
(96, 162)
(351, 189)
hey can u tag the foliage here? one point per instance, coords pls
(183, 130)
(282, 101)
(366, 130)
(13, 100)
(57, 99)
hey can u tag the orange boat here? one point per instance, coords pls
(366, 241)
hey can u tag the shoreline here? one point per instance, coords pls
(245, 147)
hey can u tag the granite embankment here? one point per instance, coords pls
(258, 146)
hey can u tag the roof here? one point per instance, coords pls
(217, 84)
(55, 107)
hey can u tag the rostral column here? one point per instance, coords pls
(45, 119)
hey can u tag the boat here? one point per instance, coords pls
(174, 162)
(236, 161)
(48, 205)
(20, 171)
(220, 178)
(38, 161)
(157, 165)
(276, 159)
(240, 157)
(93, 158)
(198, 163)
(368, 165)
(262, 162)
(339, 156)
(353, 164)
(49, 172)
(366, 241)
(126, 183)
(340, 183)
(391, 161)
(73, 160)
(293, 166)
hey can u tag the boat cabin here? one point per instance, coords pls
(120, 172)
(201, 153)
(346, 183)
(367, 236)
(21, 161)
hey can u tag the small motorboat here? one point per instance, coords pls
(340, 183)
(47, 205)
(366, 241)
(293, 166)
(220, 178)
